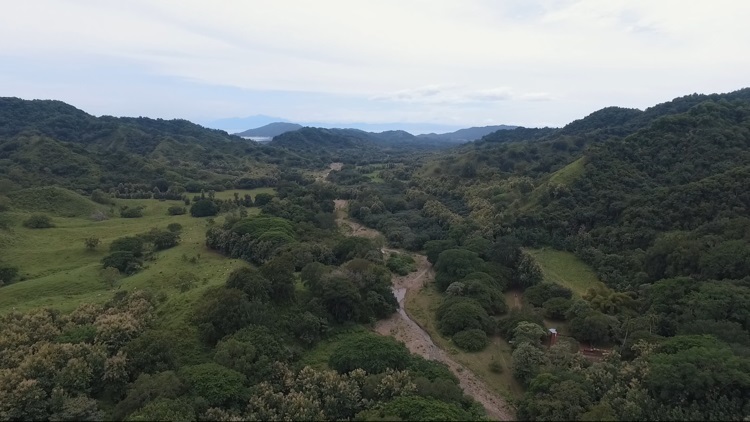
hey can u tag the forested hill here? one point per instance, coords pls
(323, 146)
(49, 142)
(641, 195)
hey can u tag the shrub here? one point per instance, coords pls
(401, 264)
(174, 227)
(496, 367)
(91, 242)
(472, 340)
(99, 216)
(176, 210)
(556, 307)
(8, 274)
(38, 221)
(135, 212)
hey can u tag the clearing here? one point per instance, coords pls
(566, 269)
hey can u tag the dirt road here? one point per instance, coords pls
(417, 340)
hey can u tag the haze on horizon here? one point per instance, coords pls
(467, 63)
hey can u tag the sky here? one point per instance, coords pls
(419, 64)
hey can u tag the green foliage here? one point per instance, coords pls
(38, 221)
(176, 210)
(132, 244)
(165, 410)
(174, 227)
(528, 360)
(262, 199)
(459, 314)
(455, 264)
(8, 274)
(218, 385)
(148, 388)
(131, 212)
(556, 308)
(250, 281)
(415, 408)
(91, 242)
(540, 293)
(222, 312)
(370, 352)
(204, 208)
(471, 340)
(125, 262)
(401, 264)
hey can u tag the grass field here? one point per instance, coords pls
(566, 269)
(422, 306)
(59, 272)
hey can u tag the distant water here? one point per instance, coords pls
(259, 138)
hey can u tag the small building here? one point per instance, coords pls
(552, 336)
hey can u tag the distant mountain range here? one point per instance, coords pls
(460, 136)
(270, 130)
(465, 135)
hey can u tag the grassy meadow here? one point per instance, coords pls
(58, 271)
(566, 269)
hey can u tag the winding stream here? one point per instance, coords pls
(403, 328)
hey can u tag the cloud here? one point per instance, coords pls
(436, 59)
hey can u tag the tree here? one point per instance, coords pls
(471, 340)
(455, 264)
(91, 242)
(528, 272)
(222, 312)
(461, 314)
(204, 208)
(370, 352)
(262, 199)
(218, 385)
(527, 362)
(528, 333)
(251, 282)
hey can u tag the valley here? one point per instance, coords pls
(157, 270)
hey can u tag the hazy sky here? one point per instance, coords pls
(461, 62)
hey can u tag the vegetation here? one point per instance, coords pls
(626, 230)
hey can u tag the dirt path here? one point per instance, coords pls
(323, 175)
(417, 340)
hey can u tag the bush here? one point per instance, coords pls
(540, 293)
(472, 340)
(100, 197)
(99, 216)
(176, 210)
(174, 227)
(91, 242)
(401, 264)
(135, 212)
(204, 208)
(38, 221)
(8, 274)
